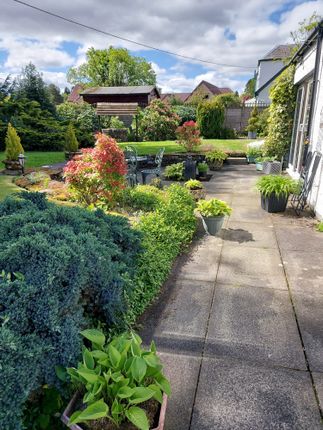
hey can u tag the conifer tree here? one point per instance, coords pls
(13, 145)
(71, 143)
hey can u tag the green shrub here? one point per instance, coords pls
(71, 143)
(262, 124)
(193, 184)
(115, 122)
(73, 263)
(202, 167)
(116, 379)
(320, 227)
(185, 112)
(13, 145)
(254, 152)
(213, 208)
(215, 155)
(141, 197)
(174, 171)
(281, 115)
(277, 185)
(165, 231)
(158, 121)
(210, 119)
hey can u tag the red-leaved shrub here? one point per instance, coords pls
(97, 175)
(188, 135)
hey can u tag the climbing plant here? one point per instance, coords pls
(281, 114)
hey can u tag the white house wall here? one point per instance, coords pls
(316, 139)
(266, 70)
(306, 66)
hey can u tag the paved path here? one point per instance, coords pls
(239, 324)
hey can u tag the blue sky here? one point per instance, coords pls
(224, 31)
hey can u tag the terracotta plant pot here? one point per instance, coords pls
(198, 194)
(216, 165)
(71, 407)
(12, 167)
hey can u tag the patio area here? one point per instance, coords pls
(239, 323)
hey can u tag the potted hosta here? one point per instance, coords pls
(13, 149)
(196, 189)
(71, 145)
(215, 159)
(275, 190)
(118, 384)
(202, 169)
(253, 154)
(213, 213)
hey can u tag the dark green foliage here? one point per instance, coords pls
(250, 88)
(210, 118)
(185, 112)
(165, 231)
(6, 88)
(253, 120)
(73, 262)
(55, 95)
(31, 86)
(38, 129)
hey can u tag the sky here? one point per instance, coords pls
(231, 32)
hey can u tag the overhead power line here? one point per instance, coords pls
(144, 45)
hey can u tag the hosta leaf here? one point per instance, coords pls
(95, 336)
(135, 348)
(95, 411)
(114, 356)
(164, 385)
(141, 394)
(88, 359)
(88, 375)
(99, 355)
(138, 368)
(61, 373)
(125, 392)
(152, 360)
(138, 417)
(158, 394)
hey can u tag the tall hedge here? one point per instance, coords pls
(63, 270)
(281, 114)
(210, 118)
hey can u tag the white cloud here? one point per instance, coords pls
(189, 27)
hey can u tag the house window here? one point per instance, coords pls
(300, 130)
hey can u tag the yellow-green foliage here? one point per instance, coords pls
(71, 143)
(281, 115)
(13, 145)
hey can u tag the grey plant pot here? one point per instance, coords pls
(271, 167)
(259, 165)
(213, 224)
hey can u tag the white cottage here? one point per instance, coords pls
(308, 121)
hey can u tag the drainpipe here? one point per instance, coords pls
(315, 78)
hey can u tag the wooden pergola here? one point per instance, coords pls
(118, 109)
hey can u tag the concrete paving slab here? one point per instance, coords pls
(318, 382)
(203, 264)
(246, 214)
(256, 325)
(234, 395)
(304, 270)
(255, 267)
(182, 372)
(249, 234)
(188, 303)
(244, 200)
(295, 238)
(309, 311)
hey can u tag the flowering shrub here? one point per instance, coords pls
(158, 121)
(188, 135)
(97, 175)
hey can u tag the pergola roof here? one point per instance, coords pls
(143, 89)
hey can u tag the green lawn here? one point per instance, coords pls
(145, 148)
(37, 159)
(7, 186)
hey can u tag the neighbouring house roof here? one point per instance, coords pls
(74, 96)
(179, 96)
(279, 52)
(142, 89)
(213, 88)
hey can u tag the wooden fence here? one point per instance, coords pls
(237, 118)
